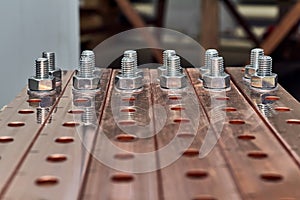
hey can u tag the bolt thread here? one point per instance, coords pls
(88, 116)
(216, 66)
(173, 66)
(265, 109)
(42, 114)
(131, 54)
(210, 53)
(264, 66)
(51, 59)
(166, 54)
(86, 70)
(128, 67)
(90, 54)
(41, 68)
(255, 54)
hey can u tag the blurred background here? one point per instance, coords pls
(234, 27)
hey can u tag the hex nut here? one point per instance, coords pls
(140, 72)
(264, 82)
(161, 70)
(219, 82)
(56, 74)
(249, 71)
(173, 82)
(203, 70)
(83, 83)
(35, 84)
(126, 83)
(97, 72)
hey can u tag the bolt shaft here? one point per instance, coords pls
(86, 70)
(210, 53)
(264, 66)
(166, 54)
(90, 54)
(128, 67)
(173, 66)
(89, 115)
(41, 68)
(51, 59)
(131, 54)
(216, 66)
(255, 54)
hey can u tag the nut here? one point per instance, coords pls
(46, 84)
(173, 82)
(82, 83)
(203, 70)
(97, 72)
(216, 82)
(128, 83)
(249, 71)
(264, 82)
(56, 74)
(140, 72)
(162, 70)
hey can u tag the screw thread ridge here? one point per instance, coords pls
(264, 66)
(131, 54)
(41, 68)
(166, 54)
(255, 54)
(86, 69)
(51, 59)
(90, 54)
(88, 116)
(216, 66)
(210, 53)
(128, 67)
(173, 66)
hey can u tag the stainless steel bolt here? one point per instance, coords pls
(90, 54)
(85, 79)
(174, 78)
(56, 72)
(254, 57)
(88, 117)
(216, 78)
(133, 54)
(264, 79)
(128, 79)
(42, 81)
(209, 53)
(162, 70)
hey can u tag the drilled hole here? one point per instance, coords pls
(126, 137)
(121, 177)
(182, 120)
(47, 180)
(237, 121)
(34, 100)
(174, 97)
(204, 197)
(185, 135)
(76, 111)
(71, 124)
(129, 110)
(229, 109)
(243, 70)
(257, 155)
(6, 139)
(57, 158)
(191, 152)
(81, 100)
(126, 123)
(272, 177)
(197, 174)
(129, 99)
(272, 98)
(16, 124)
(293, 121)
(64, 139)
(222, 98)
(124, 156)
(26, 111)
(246, 137)
(177, 108)
(282, 109)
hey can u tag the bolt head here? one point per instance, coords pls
(173, 82)
(249, 71)
(56, 74)
(219, 82)
(125, 83)
(80, 83)
(264, 82)
(36, 84)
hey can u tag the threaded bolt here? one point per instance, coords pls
(41, 68)
(128, 70)
(51, 59)
(42, 114)
(131, 54)
(88, 116)
(216, 66)
(255, 54)
(173, 66)
(90, 54)
(264, 66)
(166, 54)
(210, 53)
(86, 70)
